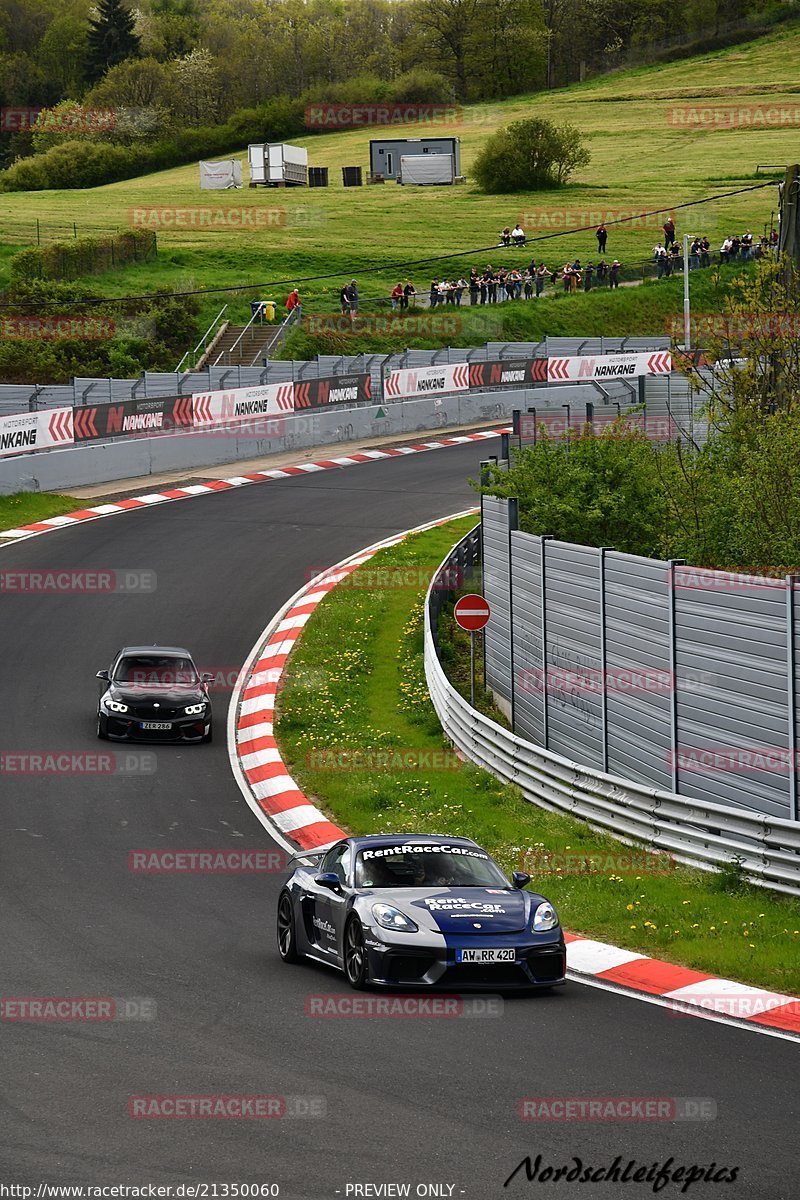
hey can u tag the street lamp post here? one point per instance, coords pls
(687, 325)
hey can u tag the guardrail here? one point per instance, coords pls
(699, 834)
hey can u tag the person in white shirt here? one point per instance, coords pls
(518, 235)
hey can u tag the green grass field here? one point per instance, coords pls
(356, 686)
(640, 160)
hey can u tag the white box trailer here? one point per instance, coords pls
(277, 164)
(424, 169)
(219, 175)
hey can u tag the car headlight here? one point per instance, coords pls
(390, 917)
(544, 918)
(115, 706)
(194, 710)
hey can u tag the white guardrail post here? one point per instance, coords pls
(695, 832)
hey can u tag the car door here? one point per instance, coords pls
(330, 906)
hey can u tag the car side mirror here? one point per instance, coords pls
(329, 879)
(103, 675)
(519, 879)
(206, 677)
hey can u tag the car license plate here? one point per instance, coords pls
(485, 956)
(156, 724)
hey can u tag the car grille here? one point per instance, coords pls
(485, 975)
(408, 967)
(146, 712)
(547, 966)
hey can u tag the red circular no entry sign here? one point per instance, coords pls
(472, 612)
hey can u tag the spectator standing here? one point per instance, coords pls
(602, 237)
(344, 298)
(491, 285)
(669, 232)
(694, 254)
(408, 291)
(542, 276)
(483, 287)
(613, 274)
(458, 291)
(474, 286)
(602, 271)
(660, 255)
(527, 280)
(587, 277)
(434, 293)
(397, 297)
(352, 296)
(293, 300)
(705, 252)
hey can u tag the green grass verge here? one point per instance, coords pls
(355, 684)
(23, 508)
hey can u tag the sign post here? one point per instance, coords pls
(472, 613)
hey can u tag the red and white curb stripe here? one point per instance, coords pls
(221, 485)
(682, 991)
(263, 777)
(296, 824)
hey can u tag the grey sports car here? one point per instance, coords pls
(419, 911)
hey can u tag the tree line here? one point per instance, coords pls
(195, 62)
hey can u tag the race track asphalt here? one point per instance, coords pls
(409, 1101)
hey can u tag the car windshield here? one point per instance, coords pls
(441, 865)
(155, 670)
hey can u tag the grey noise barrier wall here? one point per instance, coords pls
(678, 678)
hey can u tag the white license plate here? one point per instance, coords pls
(486, 956)
(156, 724)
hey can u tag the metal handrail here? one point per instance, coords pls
(231, 349)
(202, 342)
(696, 832)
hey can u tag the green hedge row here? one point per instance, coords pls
(84, 256)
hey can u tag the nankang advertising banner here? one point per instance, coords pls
(608, 366)
(331, 390)
(21, 433)
(132, 418)
(508, 372)
(426, 381)
(243, 404)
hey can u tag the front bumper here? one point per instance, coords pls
(121, 728)
(538, 964)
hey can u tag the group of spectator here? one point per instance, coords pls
(494, 285)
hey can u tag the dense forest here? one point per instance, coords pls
(175, 64)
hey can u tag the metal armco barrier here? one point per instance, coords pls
(698, 833)
(459, 377)
(16, 397)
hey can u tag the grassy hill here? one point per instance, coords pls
(640, 160)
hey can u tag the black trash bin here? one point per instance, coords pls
(317, 177)
(352, 176)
